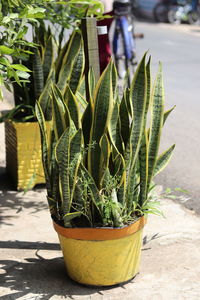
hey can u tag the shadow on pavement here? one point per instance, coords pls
(28, 245)
(43, 277)
(12, 202)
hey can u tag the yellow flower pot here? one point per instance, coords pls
(102, 256)
(23, 153)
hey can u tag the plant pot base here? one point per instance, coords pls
(102, 262)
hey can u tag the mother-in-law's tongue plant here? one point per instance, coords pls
(101, 159)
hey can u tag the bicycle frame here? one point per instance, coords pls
(122, 26)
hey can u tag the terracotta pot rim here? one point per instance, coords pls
(100, 233)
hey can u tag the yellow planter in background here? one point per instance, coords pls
(102, 256)
(23, 153)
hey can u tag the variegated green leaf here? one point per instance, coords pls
(60, 59)
(132, 183)
(148, 72)
(72, 50)
(115, 129)
(117, 219)
(38, 74)
(54, 173)
(81, 87)
(119, 168)
(75, 159)
(163, 160)
(60, 112)
(62, 154)
(124, 119)
(86, 125)
(167, 113)
(105, 152)
(45, 100)
(114, 81)
(48, 58)
(143, 160)
(91, 83)
(77, 70)
(128, 102)
(138, 96)
(81, 101)
(157, 113)
(103, 102)
(73, 107)
(44, 144)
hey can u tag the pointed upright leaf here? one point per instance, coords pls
(143, 161)
(138, 93)
(163, 160)
(115, 129)
(124, 120)
(103, 102)
(38, 74)
(72, 50)
(92, 83)
(62, 154)
(48, 58)
(44, 144)
(77, 70)
(60, 112)
(72, 105)
(157, 115)
(105, 151)
(167, 113)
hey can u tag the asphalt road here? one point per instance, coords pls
(177, 47)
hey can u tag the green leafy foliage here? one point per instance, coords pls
(47, 66)
(105, 154)
(16, 16)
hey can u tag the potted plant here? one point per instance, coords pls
(13, 25)
(23, 161)
(99, 165)
(47, 61)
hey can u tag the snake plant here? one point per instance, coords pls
(102, 157)
(49, 63)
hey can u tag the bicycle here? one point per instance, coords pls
(124, 50)
(184, 12)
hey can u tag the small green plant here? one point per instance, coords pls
(108, 183)
(176, 194)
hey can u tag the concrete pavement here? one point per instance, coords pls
(32, 266)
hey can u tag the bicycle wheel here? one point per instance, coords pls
(160, 13)
(193, 18)
(172, 17)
